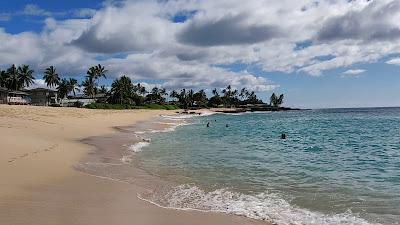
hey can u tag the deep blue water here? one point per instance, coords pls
(337, 166)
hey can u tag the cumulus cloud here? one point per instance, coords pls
(84, 12)
(35, 10)
(229, 30)
(141, 39)
(394, 61)
(133, 27)
(374, 22)
(352, 73)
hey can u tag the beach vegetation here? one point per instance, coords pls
(125, 94)
(276, 101)
(51, 77)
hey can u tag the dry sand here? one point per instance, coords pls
(39, 147)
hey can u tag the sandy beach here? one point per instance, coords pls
(40, 147)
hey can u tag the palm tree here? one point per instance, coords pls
(72, 86)
(244, 93)
(25, 76)
(100, 71)
(230, 96)
(51, 77)
(93, 74)
(103, 90)
(215, 92)
(89, 87)
(63, 88)
(121, 90)
(141, 89)
(13, 82)
(275, 100)
(190, 97)
(174, 94)
(3, 78)
(200, 98)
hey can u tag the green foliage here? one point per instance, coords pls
(275, 100)
(109, 106)
(127, 106)
(51, 77)
(90, 83)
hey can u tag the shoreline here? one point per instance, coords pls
(39, 185)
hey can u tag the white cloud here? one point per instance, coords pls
(139, 38)
(353, 73)
(34, 10)
(84, 12)
(394, 61)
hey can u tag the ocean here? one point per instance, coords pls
(336, 166)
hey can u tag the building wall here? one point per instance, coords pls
(3, 97)
(39, 98)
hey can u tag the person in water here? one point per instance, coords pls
(208, 124)
(227, 125)
(283, 136)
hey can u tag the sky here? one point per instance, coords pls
(319, 53)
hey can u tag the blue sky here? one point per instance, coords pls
(313, 59)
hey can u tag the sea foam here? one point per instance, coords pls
(137, 147)
(265, 206)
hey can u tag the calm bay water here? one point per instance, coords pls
(337, 166)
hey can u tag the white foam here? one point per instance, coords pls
(137, 147)
(187, 116)
(265, 206)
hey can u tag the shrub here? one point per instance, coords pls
(127, 106)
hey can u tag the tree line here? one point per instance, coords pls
(124, 91)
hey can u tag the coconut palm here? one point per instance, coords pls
(103, 89)
(3, 78)
(215, 92)
(89, 87)
(200, 98)
(51, 77)
(25, 76)
(100, 71)
(13, 82)
(174, 94)
(63, 88)
(141, 89)
(93, 74)
(72, 86)
(244, 93)
(230, 95)
(275, 100)
(122, 90)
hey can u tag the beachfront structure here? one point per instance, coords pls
(82, 100)
(3, 95)
(13, 97)
(43, 97)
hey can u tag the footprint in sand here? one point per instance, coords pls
(35, 152)
(24, 155)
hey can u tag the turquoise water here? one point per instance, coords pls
(337, 166)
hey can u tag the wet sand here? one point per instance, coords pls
(39, 184)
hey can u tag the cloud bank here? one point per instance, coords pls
(161, 41)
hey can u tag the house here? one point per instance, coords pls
(18, 98)
(83, 99)
(43, 97)
(3, 95)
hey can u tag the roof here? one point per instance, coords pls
(83, 96)
(41, 89)
(18, 93)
